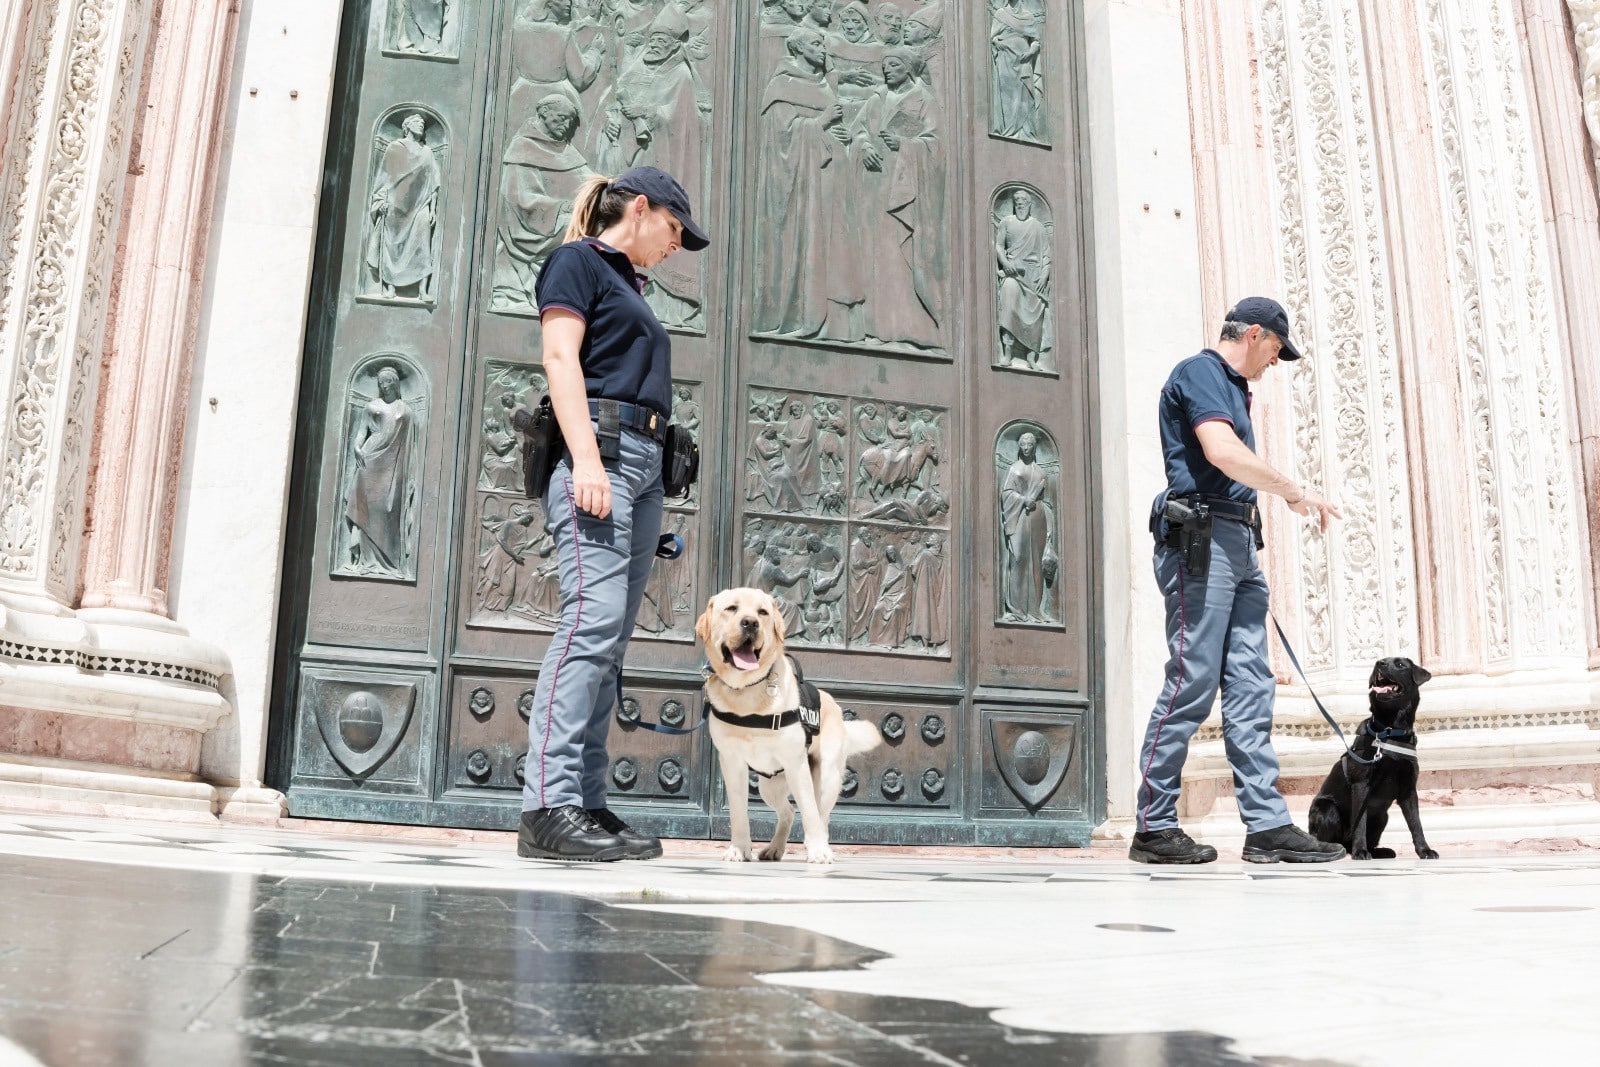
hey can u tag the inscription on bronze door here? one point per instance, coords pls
(884, 357)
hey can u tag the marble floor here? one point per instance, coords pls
(124, 943)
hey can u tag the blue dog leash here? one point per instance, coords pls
(1382, 744)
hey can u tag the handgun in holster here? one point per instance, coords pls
(1189, 531)
(541, 446)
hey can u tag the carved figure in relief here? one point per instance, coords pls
(929, 624)
(686, 411)
(927, 507)
(502, 457)
(890, 22)
(503, 561)
(1022, 260)
(768, 573)
(1016, 90)
(831, 462)
(404, 208)
(539, 177)
(662, 606)
(865, 565)
(422, 25)
(1028, 528)
(800, 447)
(660, 115)
(891, 615)
(382, 490)
(922, 33)
(799, 114)
(896, 462)
(552, 52)
(827, 587)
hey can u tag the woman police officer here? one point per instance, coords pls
(609, 364)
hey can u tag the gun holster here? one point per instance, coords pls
(1189, 531)
(680, 462)
(541, 446)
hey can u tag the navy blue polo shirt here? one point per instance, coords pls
(1201, 389)
(626, 354)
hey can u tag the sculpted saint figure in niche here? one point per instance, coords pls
(1029, 562)
(660, 115)
(1022, 260)
(539, 176)
(381, 490)
(404, 209)
(1016, 93)
(799, 114)
(422, 25)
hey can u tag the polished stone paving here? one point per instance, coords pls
(127, 943)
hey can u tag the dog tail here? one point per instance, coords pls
(860, 736)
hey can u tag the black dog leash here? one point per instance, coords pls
(1348, 751)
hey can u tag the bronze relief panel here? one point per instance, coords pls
(381, 472)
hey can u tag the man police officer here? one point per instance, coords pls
(1207, 529)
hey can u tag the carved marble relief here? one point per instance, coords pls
(1016, 83)
(423, 28)
(850, 176)
(877, 579)
(507, 386)
(1024, 313)
(400, 259)
(600, 89)
(381, 469)
(1028, 471)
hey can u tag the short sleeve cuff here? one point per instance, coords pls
(556, 305)
(1210, 416)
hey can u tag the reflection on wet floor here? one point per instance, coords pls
(124, 965)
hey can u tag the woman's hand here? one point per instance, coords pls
(591, 487)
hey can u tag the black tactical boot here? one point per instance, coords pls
(1289, 844)
(566, 833)
(1169, 846)
(641, 846)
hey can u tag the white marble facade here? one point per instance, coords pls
(1413, 180)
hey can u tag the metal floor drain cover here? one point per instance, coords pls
(1535, 907)
(1137, 928)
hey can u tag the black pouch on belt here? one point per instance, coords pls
(541, 446)
(680, 462)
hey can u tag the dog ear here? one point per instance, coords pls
(702, 626)
(1419, 674)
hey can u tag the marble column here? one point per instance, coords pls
(1563, 66)
(15, 19)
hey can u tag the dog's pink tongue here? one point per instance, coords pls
(745, 660)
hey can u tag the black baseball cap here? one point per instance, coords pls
(663, 190)
(1267, 313)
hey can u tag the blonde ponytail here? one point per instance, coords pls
(586, 209)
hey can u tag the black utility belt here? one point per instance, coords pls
(647, 421)
(1222, 507)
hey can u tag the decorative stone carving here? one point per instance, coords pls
(381, 470)
(426, 29)
(506, 387)
(795, 459)
(1032, 757)
(1024, 317)
(1028, 471)
(1586, 35)
(898, 452)
(402, 247)
(850, 179)
(1016, 85)
(518, 585)
(668, 607)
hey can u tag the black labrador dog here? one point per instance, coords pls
(1352, 807)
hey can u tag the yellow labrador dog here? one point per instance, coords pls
(752, 679)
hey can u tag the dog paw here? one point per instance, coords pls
(1361, 854)
(772, 853)
(824, 854)
(735, 854)
(1427, 854)
(1383, 853)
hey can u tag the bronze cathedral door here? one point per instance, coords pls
(884, 356)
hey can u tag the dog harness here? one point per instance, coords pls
(1391, 739)
(808, 714)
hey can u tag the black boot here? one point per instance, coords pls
(1169, 846)
(641, 846)
(1289, 844)
(566, 833)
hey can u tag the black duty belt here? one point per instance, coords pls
(1222, 507)
(647, 421)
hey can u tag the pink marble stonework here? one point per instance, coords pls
(110, 742)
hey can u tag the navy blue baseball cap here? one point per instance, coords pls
(663, 190)
(1267, 313)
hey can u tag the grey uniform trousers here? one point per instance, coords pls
(604, 566)
(1217, 635)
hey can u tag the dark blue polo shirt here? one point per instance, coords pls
(626, 354)
(1201, 389)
